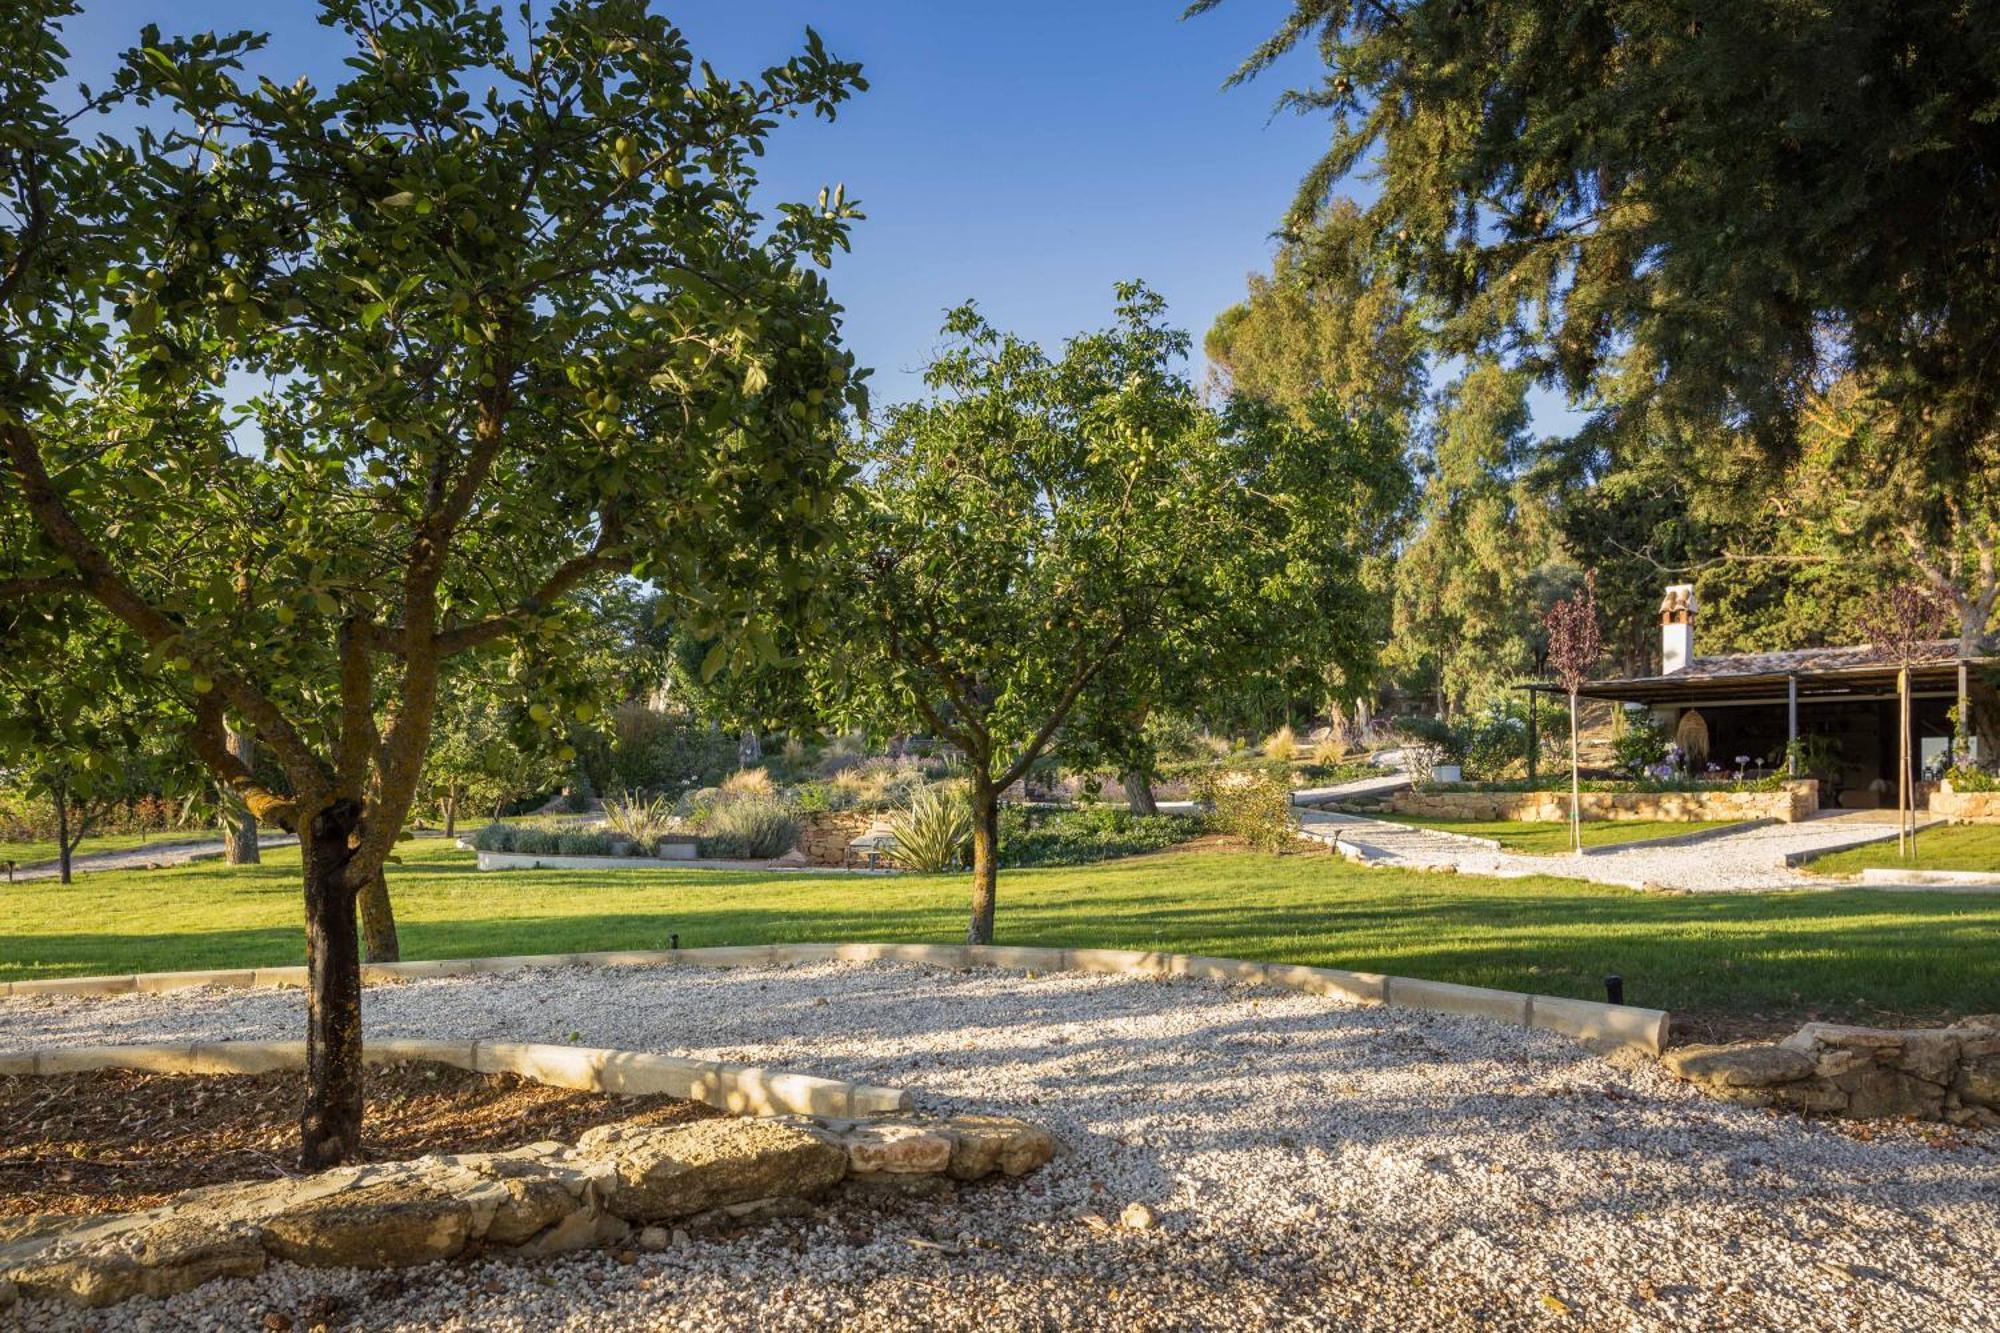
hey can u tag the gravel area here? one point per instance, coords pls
(1752, 860)
(1311, 1164)
(141, 858)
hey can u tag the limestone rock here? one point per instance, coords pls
(398, 1224)
(900, 1149)
(1743, 1065)
(983, 1144)
(532, 1204)
(82, 1277)
(675, 1172)
(1138, 1217)
(180, 1253)
(654, 1239)
(1979, 1082)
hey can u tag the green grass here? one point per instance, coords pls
(1842, 954)
(1549, 839)
(28, 853)
(1949, 847)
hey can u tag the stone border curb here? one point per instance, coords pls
(532, 861)
(738, 1089)
(1589, 1021)
(1694, 839)
(1970, 879)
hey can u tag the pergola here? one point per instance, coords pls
(1861, 674)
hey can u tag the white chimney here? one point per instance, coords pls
(1677, 629)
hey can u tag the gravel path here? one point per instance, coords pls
(141, 858)
(1752, 860)
(1313, 1165)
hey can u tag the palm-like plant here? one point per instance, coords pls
(638, 818)
(935, 831)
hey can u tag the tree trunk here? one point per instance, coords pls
(985, 857)
(1139, 794)
(330, 1126)
(749, 749)
(239, 826)
(62, 833)
(450, 814)
(378, 922)
(1575, 783)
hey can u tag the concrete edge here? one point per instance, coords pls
(1694, 839)
(1969, 878)
(1812, 854)
(1585, 1020)
(555, 861)
(739, 1089)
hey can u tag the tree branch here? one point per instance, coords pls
(211, 742)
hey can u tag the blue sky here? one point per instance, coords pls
(1027, 155)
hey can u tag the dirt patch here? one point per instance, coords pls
(114, 1140)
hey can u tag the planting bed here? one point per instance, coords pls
(115, 1140)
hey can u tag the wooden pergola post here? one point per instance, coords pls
(1534, 739)
(1792, 725)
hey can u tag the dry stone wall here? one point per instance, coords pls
(618, 1184)
(825, 836)
(1974, 806)
(1792, 802)
(1950, 1074)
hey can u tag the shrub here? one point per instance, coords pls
(751, 828)
(1252, 804)
(1031, 837)
(1428, 742)
(537, 842)
(1641, 746)
(935, 831)
(1964, 777)
(581, 793)
(583, 842)
(749, 782)
(495, 838)
(1173, 737)
(1282, 745)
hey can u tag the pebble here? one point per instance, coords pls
(1383, 1212)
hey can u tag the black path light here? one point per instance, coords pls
(1614, 989)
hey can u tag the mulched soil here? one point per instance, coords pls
(115, 1140)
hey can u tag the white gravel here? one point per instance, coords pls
(1311, 1165)
(1752, 860)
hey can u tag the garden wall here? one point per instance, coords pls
(1794, 801)
(1980, 806)
(826, 835)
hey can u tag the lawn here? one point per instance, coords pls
(29, 853)
(1948, 847)
(1550, 839)
(1856, 954)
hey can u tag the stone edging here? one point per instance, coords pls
(1694, 839)
(1601, 1025)
(738, 1089)
(1976, 879)
(535, 861)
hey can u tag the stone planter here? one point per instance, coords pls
(677, 849)
(1792, 802)
(1447, 773)
(1976, 806)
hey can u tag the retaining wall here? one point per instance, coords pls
(1981, 807)
(1792, 802)
(1601, 1025)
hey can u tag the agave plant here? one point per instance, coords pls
(638, 818)
(934, 831)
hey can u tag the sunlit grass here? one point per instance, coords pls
(1947, 847)
(1854, 954)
